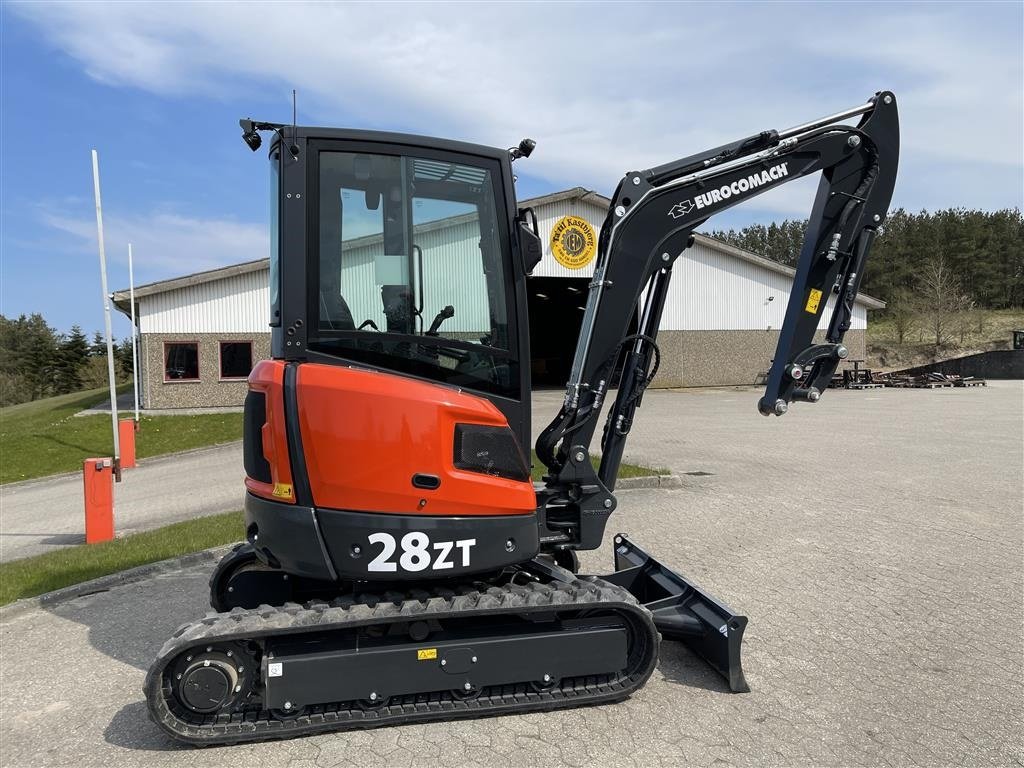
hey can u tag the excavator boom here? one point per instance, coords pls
(650, 224)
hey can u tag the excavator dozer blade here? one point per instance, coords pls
(683, 611)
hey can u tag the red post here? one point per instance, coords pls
(126, 431)
(98, 481)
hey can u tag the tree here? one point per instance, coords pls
(28, 349)
(778, 242)
(984, 250)
(903, 313)
(123, 357)
(940, 298)
(98, 346)
(72, 355)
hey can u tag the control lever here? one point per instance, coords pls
(444, 314)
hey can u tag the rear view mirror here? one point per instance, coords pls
(531, 249)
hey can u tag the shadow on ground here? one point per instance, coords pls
(131, 728)
(56, 539)
(678, 664)
(131, 623)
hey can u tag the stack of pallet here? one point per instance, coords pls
(933, 380)
(865, 378)
(862, 378)
(853, 378)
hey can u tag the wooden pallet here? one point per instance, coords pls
(864, 385)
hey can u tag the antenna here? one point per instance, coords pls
(294, 149)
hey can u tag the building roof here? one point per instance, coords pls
(121, 298)
(868, 301)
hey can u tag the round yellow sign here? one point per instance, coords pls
(573, 242)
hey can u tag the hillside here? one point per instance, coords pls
(973, 332)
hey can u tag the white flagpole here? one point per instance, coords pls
(106, 315)
(135, 350)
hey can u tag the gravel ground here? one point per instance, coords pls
(874, 539)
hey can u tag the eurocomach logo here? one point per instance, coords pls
(738, 187)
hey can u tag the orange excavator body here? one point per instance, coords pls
(366, 435)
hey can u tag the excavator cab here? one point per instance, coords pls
(398, 394)
(401, 564)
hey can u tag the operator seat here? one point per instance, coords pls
(334, 312)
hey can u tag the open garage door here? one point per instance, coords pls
(556, 314)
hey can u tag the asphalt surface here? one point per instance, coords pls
(43, 515)
(874, 539)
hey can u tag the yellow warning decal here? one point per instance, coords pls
(282, 490)
(573, 242)
(813, 301)
(426, 654)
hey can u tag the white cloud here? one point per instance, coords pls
(603, 88)
(163, 243)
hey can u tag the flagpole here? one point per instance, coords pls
(106, 315)
(135, 352)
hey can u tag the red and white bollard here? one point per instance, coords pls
(98, 482)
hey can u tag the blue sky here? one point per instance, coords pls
(158, 90)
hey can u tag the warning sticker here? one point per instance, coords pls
(813, 300)
(275, 669)
(282, 490)
(573, 242)
(425, 654)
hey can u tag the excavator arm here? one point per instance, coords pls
(650, 224)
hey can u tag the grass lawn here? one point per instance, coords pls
(634, 470)
(73, 565)
(625, 470)
(44, 437)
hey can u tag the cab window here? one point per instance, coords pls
(412, 272)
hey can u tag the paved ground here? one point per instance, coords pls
(43, 515)
(875, 540)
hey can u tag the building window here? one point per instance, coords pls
(181, 361)
(235, 359)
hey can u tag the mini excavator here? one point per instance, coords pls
(400, 564)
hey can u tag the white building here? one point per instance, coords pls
(201, 333)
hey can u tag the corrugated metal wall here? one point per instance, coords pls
(452, 274)
(715, 291)
(710, 290)
(238, 304)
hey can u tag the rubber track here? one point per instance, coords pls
(587, 593)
